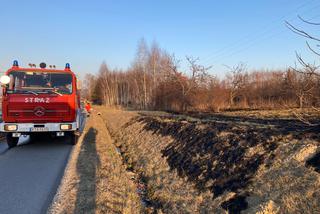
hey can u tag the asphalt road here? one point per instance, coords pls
(30, 174)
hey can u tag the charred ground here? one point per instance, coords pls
(220, 162)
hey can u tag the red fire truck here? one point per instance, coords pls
(40, 101)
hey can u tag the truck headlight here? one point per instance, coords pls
(65, 126)
(10, 127)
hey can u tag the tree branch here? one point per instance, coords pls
(308, 22)
(300, 32)
(311, 49)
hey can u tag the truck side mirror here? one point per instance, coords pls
(4, 80)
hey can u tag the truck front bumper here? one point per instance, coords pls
(36, 127)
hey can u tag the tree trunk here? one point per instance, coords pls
(144, 88)
(301, 98)
(231, 97)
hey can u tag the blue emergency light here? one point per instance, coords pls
(15, 63)
(67, 66)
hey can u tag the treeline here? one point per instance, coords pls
(154, 81)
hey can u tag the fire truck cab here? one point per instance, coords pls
(40, 101)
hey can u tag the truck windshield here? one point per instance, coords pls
(40, 82)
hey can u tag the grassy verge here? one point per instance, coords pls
(95, 180)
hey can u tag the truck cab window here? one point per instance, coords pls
(40, 82)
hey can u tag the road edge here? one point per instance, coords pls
(66, 178)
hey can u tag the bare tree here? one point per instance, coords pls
(155, 81)
(141, 63)
(88, 86)
(310, 71)
(187, 84)
(236, 79)
(301, 85)
(309, 37)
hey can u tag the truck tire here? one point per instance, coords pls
(11, 141)
(73, 137)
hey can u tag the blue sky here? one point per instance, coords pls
(85, 33)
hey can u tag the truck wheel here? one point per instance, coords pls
(11, 141)
(73, 138)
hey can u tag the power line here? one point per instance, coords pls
(245, 38)
(253, 43)
(248, 40)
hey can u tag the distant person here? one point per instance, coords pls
(88, 107)
(48, 84)
(65, 88)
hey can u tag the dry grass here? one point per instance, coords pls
(280, 114)
(168, 192)
(95, 180)
(209, 164)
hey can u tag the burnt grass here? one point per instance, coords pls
(289, 125)
(314, 162)
(236, 204)
(217, 156)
